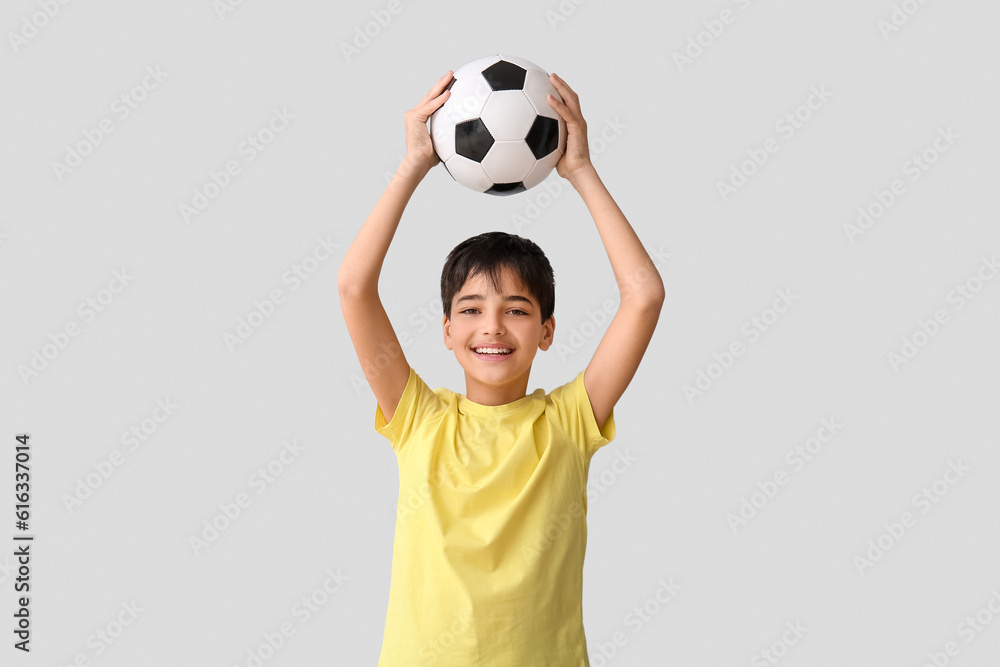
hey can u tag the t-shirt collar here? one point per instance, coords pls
(471, 407)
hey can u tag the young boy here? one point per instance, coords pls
(491, 529)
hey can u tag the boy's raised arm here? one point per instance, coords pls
(362, 264)
(621, 349)
(357, 279)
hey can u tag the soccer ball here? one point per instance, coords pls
(497, 133)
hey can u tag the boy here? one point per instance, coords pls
(490, 537)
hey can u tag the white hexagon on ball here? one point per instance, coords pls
(508, 115)
(508, 162)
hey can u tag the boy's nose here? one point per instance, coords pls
(493, 325)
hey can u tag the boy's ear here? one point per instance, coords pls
(446, 330)
(548, 335)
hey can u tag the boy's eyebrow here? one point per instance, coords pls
(478, 297)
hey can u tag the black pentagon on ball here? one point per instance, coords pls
(503, 75)
(543, 137)
(472, 139)
(505, 189)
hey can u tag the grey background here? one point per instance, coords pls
(297, 377)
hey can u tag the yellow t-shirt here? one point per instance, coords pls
(491, 530)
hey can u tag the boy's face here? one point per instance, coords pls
(480, 316)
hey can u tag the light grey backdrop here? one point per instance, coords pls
(872, 379)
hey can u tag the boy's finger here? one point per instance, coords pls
(560, 79)
(437, 101)
(564, 109)
(561, 85)
(562, 89)
(440, 84)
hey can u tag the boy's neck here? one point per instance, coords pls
(494, 394)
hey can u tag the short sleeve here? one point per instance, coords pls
(417, 405)
(571, 408)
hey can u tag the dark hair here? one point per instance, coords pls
(491, 252)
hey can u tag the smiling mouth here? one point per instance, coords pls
(492, 356)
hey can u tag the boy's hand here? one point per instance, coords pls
(577, 155)
(420, 153)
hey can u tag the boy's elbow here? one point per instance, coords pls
(647, 287)
(347, 289)
(652, 294)
(653, 304)
(342, 283)
(356, 289)
(347, 280)
(661, 296)
(346, 285)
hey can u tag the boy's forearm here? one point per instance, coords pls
(636, 275)
(362, 263)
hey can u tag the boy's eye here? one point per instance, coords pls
(473, 310)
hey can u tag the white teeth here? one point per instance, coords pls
(491, 350)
